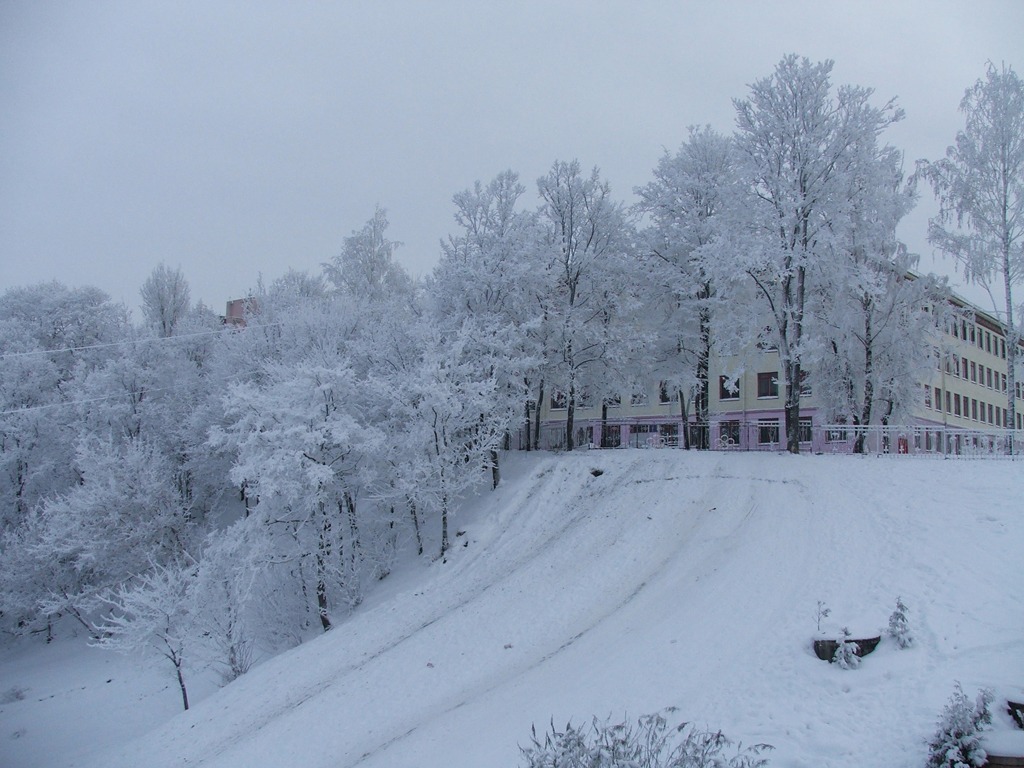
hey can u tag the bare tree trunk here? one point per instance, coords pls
(181, 681)
(570, 416)
(495, 470)
(527, 424)
(792, 407)
(604, 424)
(323, 552)
(869, 384)
(686, 420)
(701, 403)
(416, 526)
(1011, 349)
(536, 429)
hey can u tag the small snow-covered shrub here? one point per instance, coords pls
(957, 740)
(651, 743)
(899, 626)
(846, 654)
(822, 612)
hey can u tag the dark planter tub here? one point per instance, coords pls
(825, 649)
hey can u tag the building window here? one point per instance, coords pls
(956, 405)
(1002, 383)
(663, 396)
(558, 400)
(949, 401)
(974, 409)
(729, 433)
(988, 342)
(991, 417)
(938, 399)
(974, 372)
(956, 365)
(804, 429)
(728, 389)
(988, 377)
(971, 331)
(638, 398)
(1002, 348)
(613, 402)
(927, 396)
(767, 431)
(768, 384)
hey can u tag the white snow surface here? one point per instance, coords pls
(674, 579)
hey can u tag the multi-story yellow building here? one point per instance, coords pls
(962, 405)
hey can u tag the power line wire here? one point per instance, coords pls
(129, 342)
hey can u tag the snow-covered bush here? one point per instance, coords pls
(651, 743)
(822, 612)
(957, 740)
(846, 653)
(899, 625)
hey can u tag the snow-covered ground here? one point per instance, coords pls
(674, 578)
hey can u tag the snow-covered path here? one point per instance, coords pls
(672, 579)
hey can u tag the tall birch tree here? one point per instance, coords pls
(797, 139)
(980, 188)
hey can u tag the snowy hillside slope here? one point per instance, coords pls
(674, 578)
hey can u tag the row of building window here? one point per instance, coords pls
(767, 386)
(976, 373)
(992, 343)
(559, 400)
(968, 408)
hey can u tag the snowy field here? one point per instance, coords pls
(673, 579)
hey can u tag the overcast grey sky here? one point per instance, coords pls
(235, 139)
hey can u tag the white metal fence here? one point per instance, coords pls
(924, 440)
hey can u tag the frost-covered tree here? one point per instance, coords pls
(446, 403)
(980, 188)
(797, 141)
(490, 272)
(689, 190)
(125, 516)
(366, 266)
(587, 239)
(50, 336)
(166, 300)
(152, 614)
(299, 451)
(957, 740)
(872, 338)
(899, 625)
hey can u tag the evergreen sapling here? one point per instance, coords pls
(957, 741)
(899, 626)
(846, 654)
